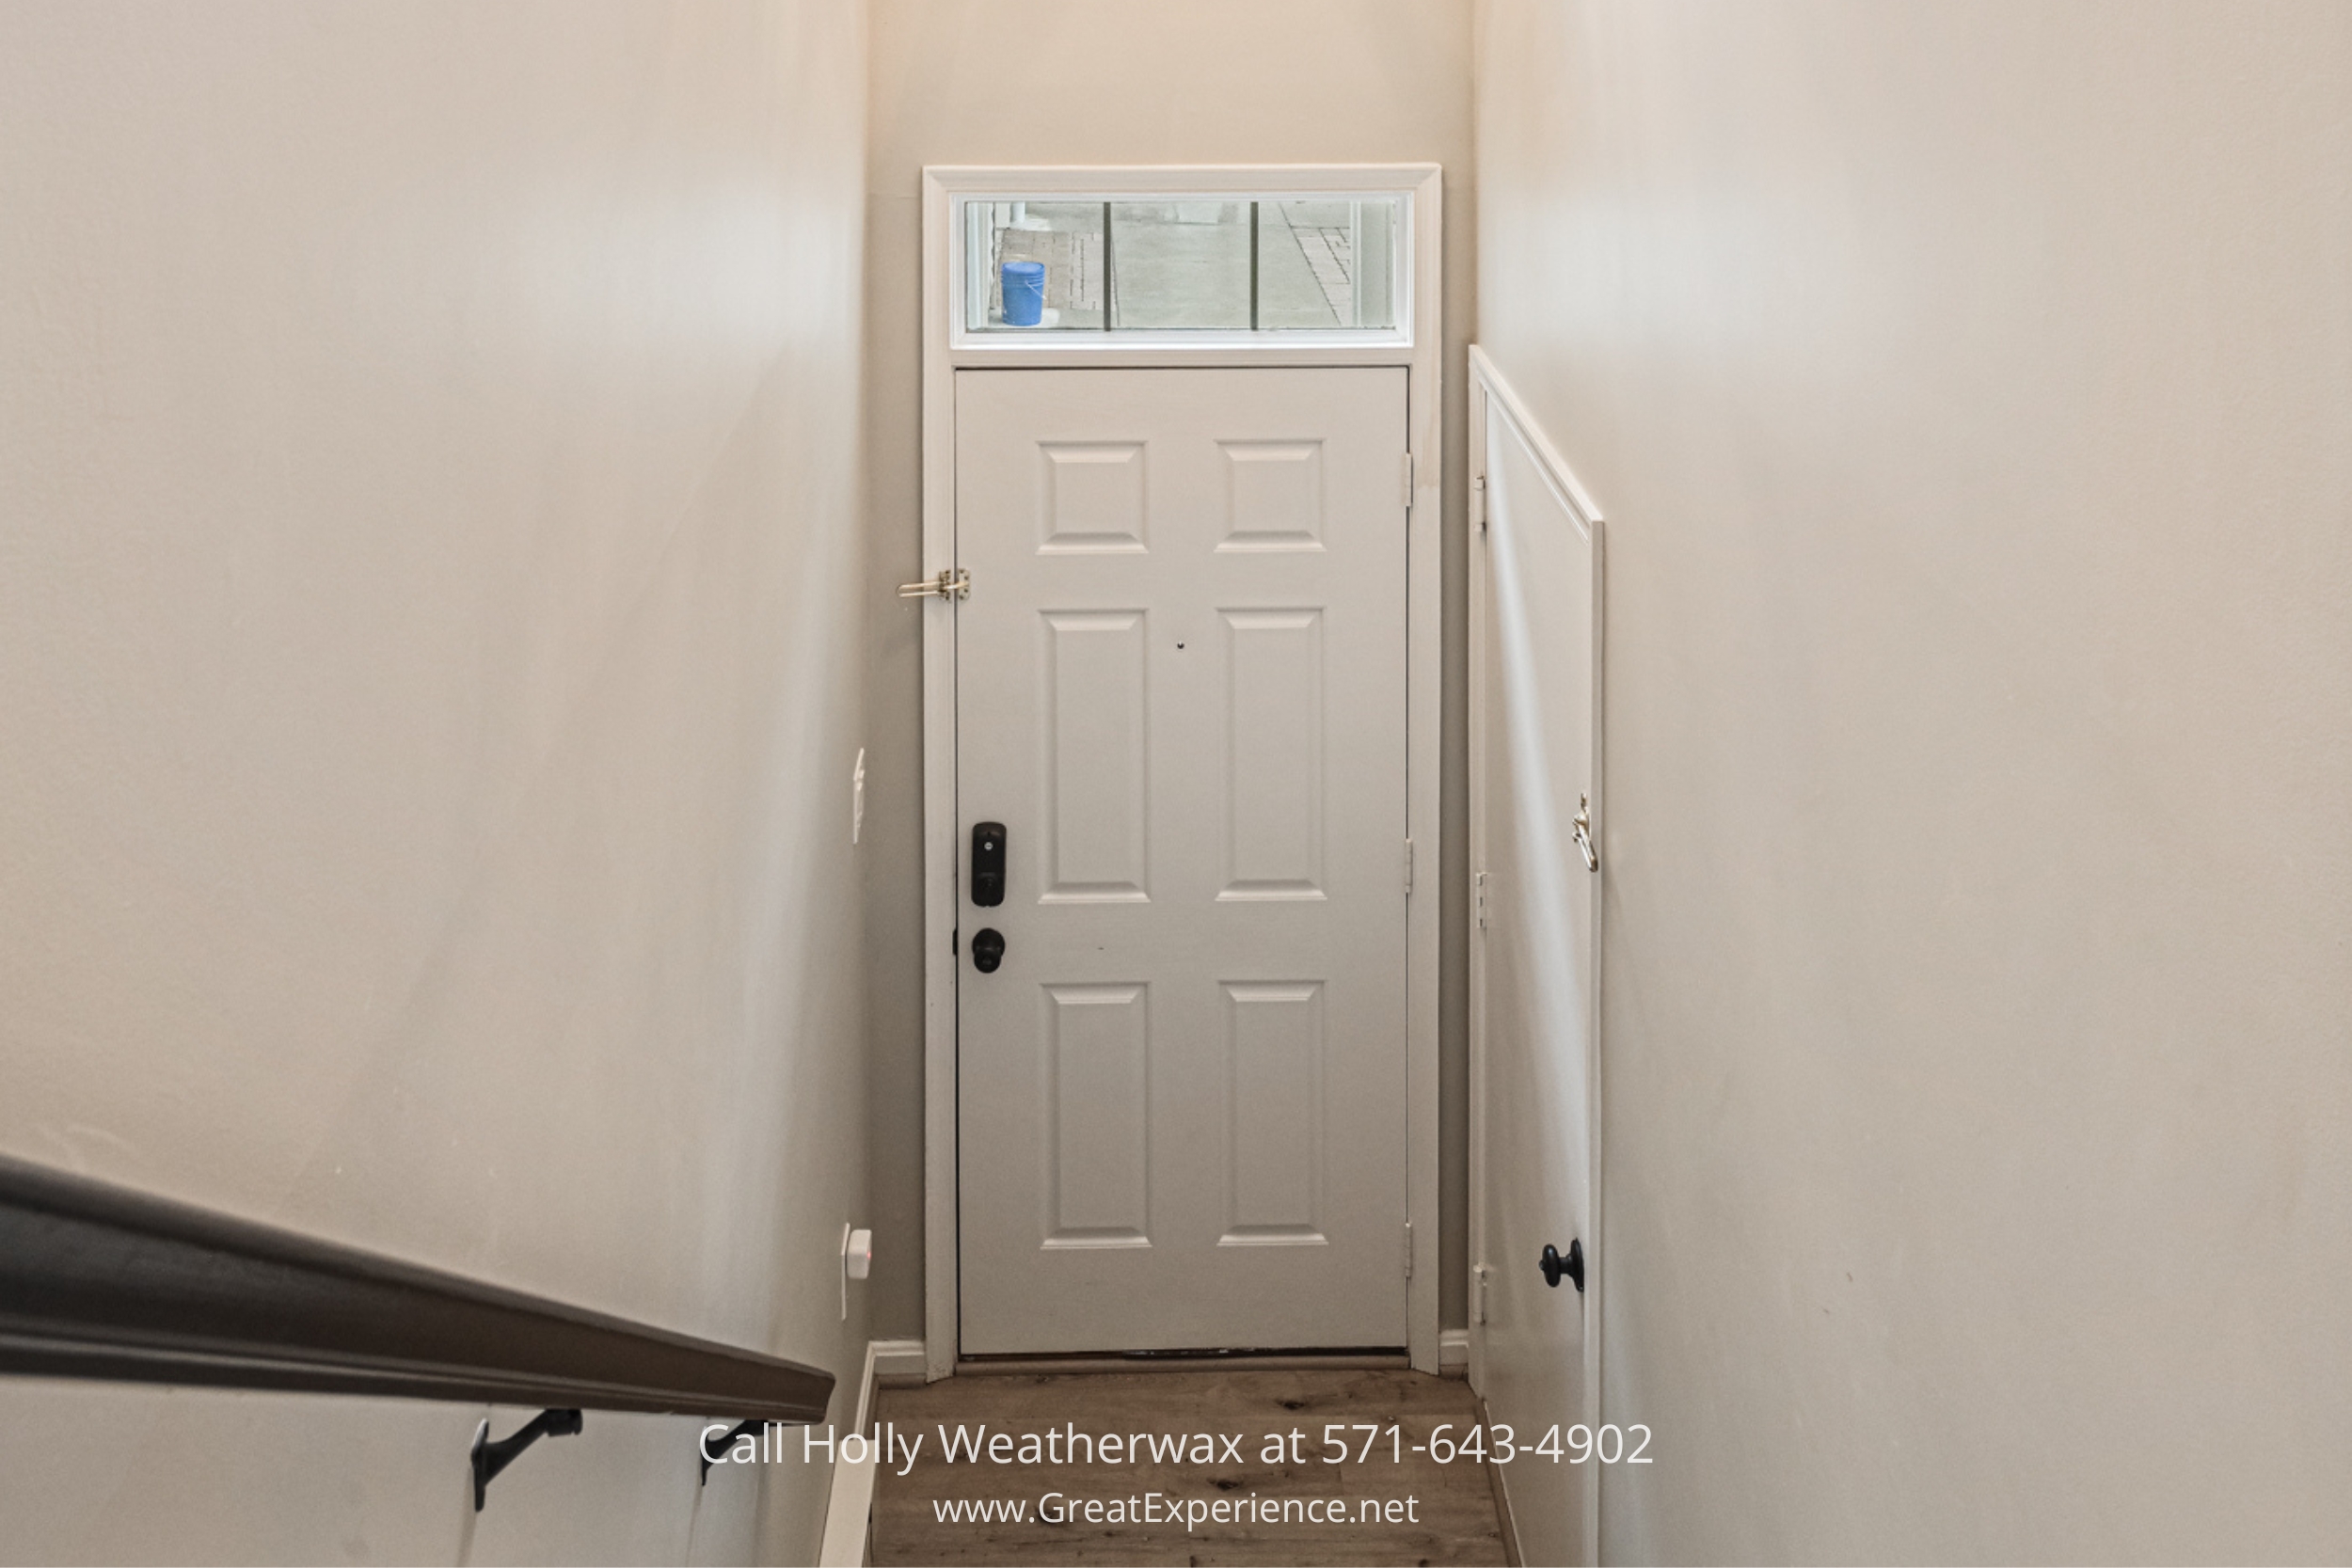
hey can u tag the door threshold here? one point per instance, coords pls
(1375, 1358)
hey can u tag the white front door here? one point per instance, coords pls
(1179, 688)
(1531, 983)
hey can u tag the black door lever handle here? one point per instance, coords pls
(1572, 1265)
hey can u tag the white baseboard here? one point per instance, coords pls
(898, 1358)
(1453, 1350)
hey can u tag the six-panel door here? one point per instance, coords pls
(1181, 680)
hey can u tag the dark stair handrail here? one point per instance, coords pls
(100, 1281)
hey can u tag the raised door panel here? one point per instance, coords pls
(1277, 1114)
(1090, 498)
(1274, 784)
(1097, 1076)
(1095, 762)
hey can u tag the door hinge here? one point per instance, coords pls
(1478, 894)
(1479, 1272)
(1408, 869)
(1408, 1249)
(1407, 471)
(1478, 501)
(953, 582)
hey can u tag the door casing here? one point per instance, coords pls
(1421, 355)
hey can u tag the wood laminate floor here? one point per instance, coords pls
(1443, 1513)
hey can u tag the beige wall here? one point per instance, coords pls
(1969, 389)
(429, 618)
(1111, 82)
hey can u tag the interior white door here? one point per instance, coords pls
(1532, 993)
(1180, 687)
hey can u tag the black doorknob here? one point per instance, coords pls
(988, 950)
(1572, 1265)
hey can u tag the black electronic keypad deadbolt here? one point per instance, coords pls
(988, 863)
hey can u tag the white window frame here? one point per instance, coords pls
(1417, 345)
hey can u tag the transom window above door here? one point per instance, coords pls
(1195, 266)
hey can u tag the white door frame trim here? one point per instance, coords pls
(1492, 399)
(1421, 355)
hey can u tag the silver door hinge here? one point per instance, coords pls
(1408, 1249)
(1478, 501)
(1478, 892)
(1408, 869)
(952, 584)
(1584, 832)
(1407, 470)
(1478, 1291)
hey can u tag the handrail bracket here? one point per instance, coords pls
(491, 1458)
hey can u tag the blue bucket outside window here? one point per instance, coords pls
(1024, 292)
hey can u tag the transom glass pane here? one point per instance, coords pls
(1181, 264)
(1055, 251)
(1327, 263)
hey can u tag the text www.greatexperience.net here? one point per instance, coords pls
(1161, 1508)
